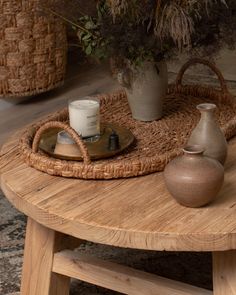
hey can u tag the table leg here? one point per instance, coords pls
(224, 273)
(40, 245)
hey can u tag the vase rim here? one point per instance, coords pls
(194, 149)
(206, 107)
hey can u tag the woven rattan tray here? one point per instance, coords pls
(156, 142)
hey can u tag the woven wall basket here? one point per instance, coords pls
(32, 49)
(156, 143)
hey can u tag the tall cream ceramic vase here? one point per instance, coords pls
(209, 135)
(146, 87)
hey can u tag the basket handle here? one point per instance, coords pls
(74, 135)
(194, 61)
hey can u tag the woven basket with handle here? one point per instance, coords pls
(156, 142)
(32, 49)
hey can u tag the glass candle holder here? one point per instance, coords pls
(66, 146)
(84, 116)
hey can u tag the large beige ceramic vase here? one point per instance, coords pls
(209, 135)
(146, 88)
(194, 180)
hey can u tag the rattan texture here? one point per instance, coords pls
(156, 142)
(33, 49)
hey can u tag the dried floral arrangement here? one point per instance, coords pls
(151, 29)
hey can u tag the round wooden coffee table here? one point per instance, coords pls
(135, 213)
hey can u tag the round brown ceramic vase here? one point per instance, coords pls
(209, 135)
(194, 179)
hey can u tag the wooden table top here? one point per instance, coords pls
(136, 213)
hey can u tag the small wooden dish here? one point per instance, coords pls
(98, 149)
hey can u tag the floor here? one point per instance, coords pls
(194, 268)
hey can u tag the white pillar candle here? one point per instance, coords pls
(84, 115)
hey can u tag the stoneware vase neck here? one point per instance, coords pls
(191, 152)
(208, 134)
(207, 111)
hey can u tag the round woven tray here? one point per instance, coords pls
(156, 142)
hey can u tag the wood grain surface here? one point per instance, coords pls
(117, 277)
(136, 213)
(224, 273)
(37, 279)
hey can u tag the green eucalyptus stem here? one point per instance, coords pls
(74, 45)
(68, 20)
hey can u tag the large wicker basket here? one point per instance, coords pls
(32, 49)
